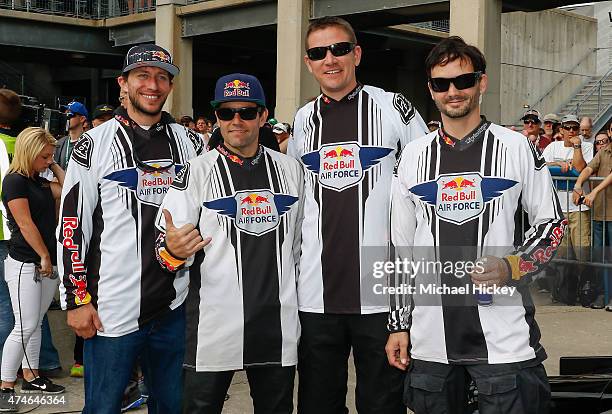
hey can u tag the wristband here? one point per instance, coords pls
(165, 258)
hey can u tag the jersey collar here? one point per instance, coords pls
(244, 162)
(347, 98)
(470, 139)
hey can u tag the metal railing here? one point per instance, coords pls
(83, 9)
(568, 73)
(437, 25)
(595, 89)
(592, 255)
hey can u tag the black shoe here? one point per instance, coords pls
(598, 303)
(7, 401)
(41, 385)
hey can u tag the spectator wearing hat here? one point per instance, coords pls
(77, 117)
(549, 124)
(101, 114)
(433, 126)
(571, 155)
(531, 128)
(600, 200)
(586, 130)
(188, 122)
(282, 131)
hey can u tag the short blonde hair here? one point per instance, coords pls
(28, 144)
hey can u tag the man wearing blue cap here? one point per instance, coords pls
(118, 298)
(77, 116)
(242, 302)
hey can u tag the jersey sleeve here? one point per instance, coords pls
(297, 239)
(411, 123)
(78, 202)
(181, 202)
(547, 224)
(403, 227)
(297, 137)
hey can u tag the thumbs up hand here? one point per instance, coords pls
(184, 241)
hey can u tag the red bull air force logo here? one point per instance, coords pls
(342, 165)
(237, 88)
(458, 198)
(255, 212)
(150, 187)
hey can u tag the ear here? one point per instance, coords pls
(430, 91)
(121, 81)
(307, 62)
(484, 82)
(357, 52)
(263, 117)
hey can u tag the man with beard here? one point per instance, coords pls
(117, 296)
(454, 196)
(77, 117)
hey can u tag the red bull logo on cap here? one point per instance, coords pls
(236, 88)
(161, 56)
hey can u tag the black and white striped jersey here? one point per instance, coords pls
(117, 177)
(454, 201)
(242, 302)
(348, 149)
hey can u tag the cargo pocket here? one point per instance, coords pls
(498, 395)
(422, 393)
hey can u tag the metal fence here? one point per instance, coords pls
(84, 9)
(437, 25)
(597, 256)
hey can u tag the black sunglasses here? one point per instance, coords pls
(530, 121)
(465, 81)
(601, 141)
(575, 128)
(247, 114)
(337, 49)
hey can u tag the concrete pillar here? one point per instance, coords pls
(478, 22)
(168, 36)
(294, 84)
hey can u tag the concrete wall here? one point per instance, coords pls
(538, 50)
(604, 36)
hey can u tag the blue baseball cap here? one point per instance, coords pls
(75, 107)
(238, 87)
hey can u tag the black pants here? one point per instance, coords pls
(271, 390)
(324, 349)
(519, 388)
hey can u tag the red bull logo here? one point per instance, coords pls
(161, 56)
(254, 199)
(256, 208)
(236, 84)
(81, 296)
(459, 184)
(338, 153)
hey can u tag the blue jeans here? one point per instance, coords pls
(109, 362)
(49, 359)
(7, 321)
(602, 248)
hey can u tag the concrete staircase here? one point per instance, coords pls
(593, 99)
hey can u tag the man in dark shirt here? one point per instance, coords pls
(77, 116)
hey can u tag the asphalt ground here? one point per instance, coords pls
(566, 331)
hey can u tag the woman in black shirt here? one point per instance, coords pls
(30, 202)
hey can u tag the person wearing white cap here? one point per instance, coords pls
(572, 156)
(550, 121)
(282, 132)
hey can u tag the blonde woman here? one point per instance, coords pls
(30, 204)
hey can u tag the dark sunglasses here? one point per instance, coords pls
(465, 81)
(601, 141)
(571, 127)
(247, 114)
(530, 122)
(337, 49)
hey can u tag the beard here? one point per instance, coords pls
(133, 97)
(470, 103)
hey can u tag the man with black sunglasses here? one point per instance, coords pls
(572, 156)
(242, 303)
(454, 197)
(118, 298)
(77, 116)
(348, 139)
